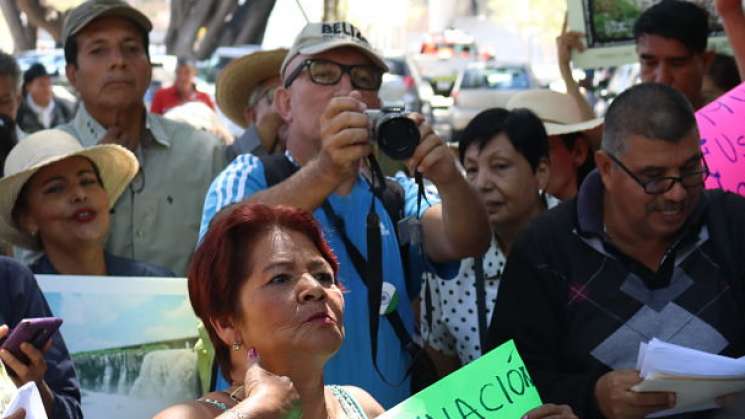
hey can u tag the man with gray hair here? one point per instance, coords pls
(330, 76)
(643, 251)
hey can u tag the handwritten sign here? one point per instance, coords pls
(497, 385)
(722, 127)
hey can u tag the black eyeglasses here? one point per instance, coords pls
(364, 77)
(661, 185)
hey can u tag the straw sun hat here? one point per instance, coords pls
(559, 112)
(116, 165)
(238, 80)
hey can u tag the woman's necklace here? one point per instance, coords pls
(233, 395)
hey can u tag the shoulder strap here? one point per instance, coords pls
(277, 167)
(478, 267)
(393, 201)
(348, 402)
(371, 277)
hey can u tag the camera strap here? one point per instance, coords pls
(478, 267)
(369, 270)
(278, 168)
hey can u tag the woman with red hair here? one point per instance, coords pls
(263, 282)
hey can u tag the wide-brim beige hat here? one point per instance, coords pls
(238, 80)
(558, 111)
(116, 165)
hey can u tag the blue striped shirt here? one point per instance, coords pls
(352, 365)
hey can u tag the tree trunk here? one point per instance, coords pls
(22, 40)
(330, 10)
(475, 7)
(215, 27)
(197, 13)
(43, 17)
(254, 25)
(179, 10)
(226, 23)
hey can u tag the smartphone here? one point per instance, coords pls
(35, 331)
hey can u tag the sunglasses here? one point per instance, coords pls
(327, 73)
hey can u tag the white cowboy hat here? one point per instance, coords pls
(116, 165)
(558, 111)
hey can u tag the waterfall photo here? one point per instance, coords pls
(131, 340)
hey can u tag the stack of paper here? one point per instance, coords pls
(696, 377)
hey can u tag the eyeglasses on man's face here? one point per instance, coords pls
(693, 178)
(327, 73)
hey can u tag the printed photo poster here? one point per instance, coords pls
(130, 339)
(608, 26)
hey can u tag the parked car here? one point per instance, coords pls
(487, 85)
(403, 85)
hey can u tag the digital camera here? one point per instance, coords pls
(396, 134)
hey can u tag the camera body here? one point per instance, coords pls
(396, 134)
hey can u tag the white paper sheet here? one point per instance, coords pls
(28, 398)
(697, 378)
(665, 358)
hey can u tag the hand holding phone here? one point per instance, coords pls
(23, 351)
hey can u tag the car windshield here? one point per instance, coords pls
(497, 78)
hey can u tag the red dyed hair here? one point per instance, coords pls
(219, 266)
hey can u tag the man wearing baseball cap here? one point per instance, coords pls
(156, 219)
(40, 109)
(245, 94)
(330, 76)
(569, 137)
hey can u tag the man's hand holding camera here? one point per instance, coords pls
(432, 158)
(344, 137)
(345, 140)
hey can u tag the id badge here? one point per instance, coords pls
(410, 231)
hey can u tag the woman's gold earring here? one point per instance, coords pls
(236, 346)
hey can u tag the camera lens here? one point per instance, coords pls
(398, 138)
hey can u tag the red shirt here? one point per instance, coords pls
(168, 97)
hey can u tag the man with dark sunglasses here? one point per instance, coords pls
(643, 251)
(330, 76)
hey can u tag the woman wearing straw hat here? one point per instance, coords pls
(56, 199)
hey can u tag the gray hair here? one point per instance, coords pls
(260, 91)
(650, 110)
(9, 68)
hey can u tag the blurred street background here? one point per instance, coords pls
(449, 59)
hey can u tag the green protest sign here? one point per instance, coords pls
(497, 385)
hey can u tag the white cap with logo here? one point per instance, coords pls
(319, 37)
